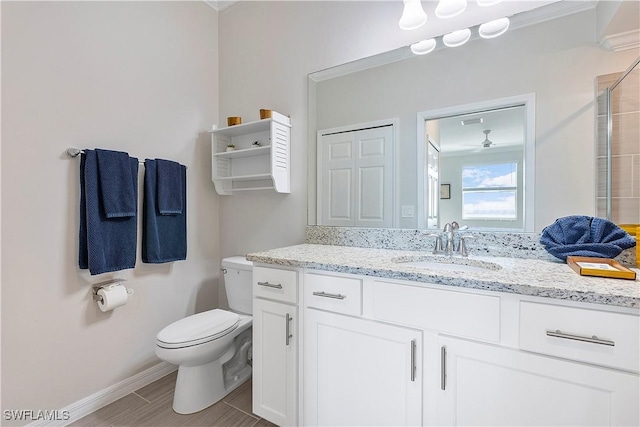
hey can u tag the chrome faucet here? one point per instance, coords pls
(445, 241)
(449, 236)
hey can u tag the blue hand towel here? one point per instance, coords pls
(119, 196)
(585, 236)
(105, 244)
(169, 176)
(164, 237)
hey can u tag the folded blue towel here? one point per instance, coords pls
(119, 196)
(585, 236)
(105, 244)
(164, 237)
(169, 176)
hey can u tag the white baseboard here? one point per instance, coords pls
(89, 404)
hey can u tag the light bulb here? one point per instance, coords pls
(493, 29)
(450, 8)
(413, 15)
(456, 38)
(423, 47)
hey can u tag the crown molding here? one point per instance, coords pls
(622, 41)
(550, 12)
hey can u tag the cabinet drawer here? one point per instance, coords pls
(276, 284)
(450, 312)
(338, 294)
(600, 337)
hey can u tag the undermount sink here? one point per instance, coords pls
(449, 264)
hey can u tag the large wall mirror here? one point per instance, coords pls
(537, 81)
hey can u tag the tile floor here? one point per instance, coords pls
(151, 406)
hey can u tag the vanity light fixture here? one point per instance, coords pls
(413, 16)
(423, 47)
(493, 29)
(450, 8)
(456, 38)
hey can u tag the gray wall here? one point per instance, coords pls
(139, 77)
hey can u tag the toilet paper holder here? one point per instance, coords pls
(98, 286)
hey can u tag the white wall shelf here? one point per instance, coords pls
(250, 167)
(247, 152)
(241, 178)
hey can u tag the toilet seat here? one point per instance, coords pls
(198, 329)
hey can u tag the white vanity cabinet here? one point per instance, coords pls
(483, 384)
(250, 166)
(357, 372)
(275, 344)
(486, 358)
(377, 351)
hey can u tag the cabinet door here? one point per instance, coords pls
(490, 385)
(359, 372)
(275, 367)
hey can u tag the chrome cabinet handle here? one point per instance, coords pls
(413, 360)
(592, 339)
(443, 367)
(288, 320)
(326, 295)
(270, 285)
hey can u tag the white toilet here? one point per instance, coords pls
(213, 348)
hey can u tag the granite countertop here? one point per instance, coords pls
(535, 277)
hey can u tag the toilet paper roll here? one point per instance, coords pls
(112, 296)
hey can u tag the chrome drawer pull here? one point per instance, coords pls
(288, 320)
(270, 285)
(413, 360)
(592, 339)
(326, 295)
(443, 368)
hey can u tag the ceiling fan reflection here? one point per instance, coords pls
(487, 143)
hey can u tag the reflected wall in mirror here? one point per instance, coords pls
(557, 60)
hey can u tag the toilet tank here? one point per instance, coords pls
(238, 279)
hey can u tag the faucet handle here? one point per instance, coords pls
(462, 246)
(438, 247)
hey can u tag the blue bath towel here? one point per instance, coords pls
(164, 237)
(169, 176)
(119, 196)
(585, 236)
(105, 244)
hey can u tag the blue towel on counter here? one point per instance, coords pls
(106, 244)
(119, 196)
(164, 237)
(585, 236)
(169, 176)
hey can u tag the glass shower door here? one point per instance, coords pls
(618, 186)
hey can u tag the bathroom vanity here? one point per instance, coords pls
(356, 336)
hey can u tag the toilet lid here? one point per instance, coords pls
(198, 328)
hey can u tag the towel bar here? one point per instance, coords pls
(75, 152)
